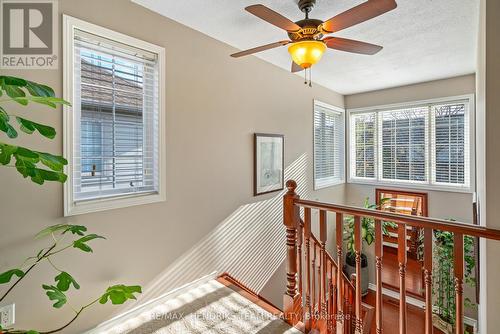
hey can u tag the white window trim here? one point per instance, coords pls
(377, 181)
(325, 183)
(70, 207)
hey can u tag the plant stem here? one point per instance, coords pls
(26, 272)
(72, 320)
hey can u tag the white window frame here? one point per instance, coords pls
(428, 185)
(70, 206)
(333, 182)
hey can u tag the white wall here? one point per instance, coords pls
(210, 220)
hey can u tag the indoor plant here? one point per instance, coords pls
(41, 167)
(443, 277)
(368, 236)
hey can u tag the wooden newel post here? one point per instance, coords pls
(291, 219)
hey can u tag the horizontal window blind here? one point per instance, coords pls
(116, 111)
(450, 146)
(403, 144)
(419, 144)
(364, 148)
(329, 143)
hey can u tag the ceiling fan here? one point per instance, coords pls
(307, 44)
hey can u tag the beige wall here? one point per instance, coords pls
(488, 87)
(210, 220)
(428, 90)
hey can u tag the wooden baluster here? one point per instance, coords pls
(323, 266)
(458, 268)
(428, 241)
(379, 250)
(357, 250)
(292, 302)
(300, 238)
(319, 312)
(313, 295)
(402, 256)
(335, 292)
(331, 298)
(339, 222)
(307, 235)
(349, 308)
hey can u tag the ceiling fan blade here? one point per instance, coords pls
(272, 17)
(350, 45)
(296, 67)
(358, 14)
(259, 49)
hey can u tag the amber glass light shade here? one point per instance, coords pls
(307, 53)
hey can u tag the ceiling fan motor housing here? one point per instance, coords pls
(311, 29)
(306, 5)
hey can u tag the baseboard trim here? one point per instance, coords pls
(420, 304)
(134, 312)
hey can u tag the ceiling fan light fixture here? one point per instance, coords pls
(307, 53)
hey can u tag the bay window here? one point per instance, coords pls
(422, 144)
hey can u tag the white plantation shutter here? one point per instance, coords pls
(329, 144)
(364, 149)
(450, 143)
(420, 143)
(403, 144)
(116, 119)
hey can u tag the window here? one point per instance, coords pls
(328, 145)
(425, 144)
(115, 125)
(363, 127)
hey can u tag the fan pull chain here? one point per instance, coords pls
(310, 77)
(305, 76)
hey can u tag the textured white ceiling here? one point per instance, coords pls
(423, 39)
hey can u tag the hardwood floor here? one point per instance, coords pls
(390, 274)
(390, 316)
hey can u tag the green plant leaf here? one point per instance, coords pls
(49, 101)
(32, 332)
(3, 114)
(15, 93)
(55, 294)
(12, 81)
(119, 294)
(27, 154)
(6, 152)
(82, 242)
(76, 229)
(26, 165)
(54, 162)
(36, 89)
(7, 128)
(64, 280)
(62, 228)
(7, 276)
(29, 126)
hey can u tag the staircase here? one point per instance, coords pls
(319, 298)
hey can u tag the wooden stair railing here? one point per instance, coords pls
(320, 298)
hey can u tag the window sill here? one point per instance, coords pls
(319, 186)
(411, 186)
(105, 204)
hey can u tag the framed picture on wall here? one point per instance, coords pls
(268, 163)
